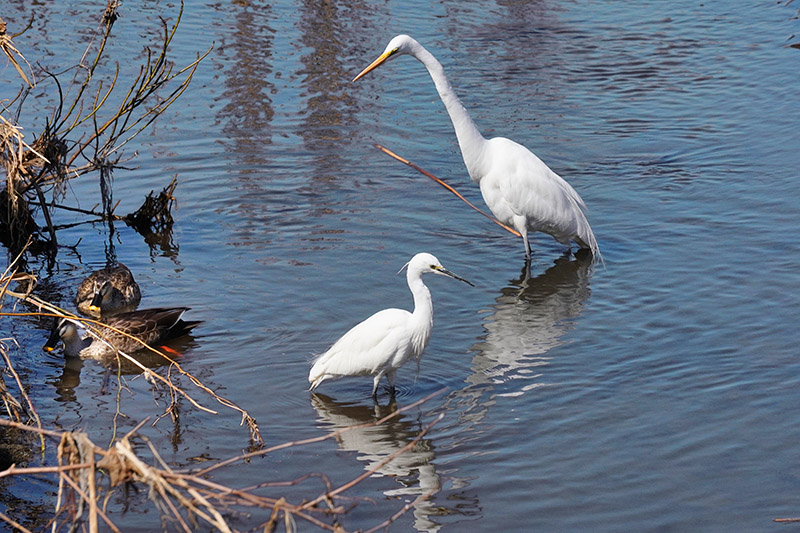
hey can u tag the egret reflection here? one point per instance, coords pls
(528, 319)
(413, 469)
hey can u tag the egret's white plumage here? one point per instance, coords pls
(520, 190)
(381, 344)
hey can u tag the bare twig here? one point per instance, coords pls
(446, 186)
(402, 511)
(378, 466)
(332, 435)
(31, 409)
(10, 51)
(14, 524)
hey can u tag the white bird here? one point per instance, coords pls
(520, 190)
(381, 344)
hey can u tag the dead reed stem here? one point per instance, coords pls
(446, 186)
(188, 497)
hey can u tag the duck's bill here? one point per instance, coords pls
(52, 341)
(94, 306)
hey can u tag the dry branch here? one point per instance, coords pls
(11, 52)
(185, 497)
(446, 186)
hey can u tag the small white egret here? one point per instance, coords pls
(381, 344)
(520, 190)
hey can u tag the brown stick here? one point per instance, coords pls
(13, 470)
(133, 360)
(402, 511)
(31, 408)
(83, 495)
(446, 186)
(14, 524)
(93, 511)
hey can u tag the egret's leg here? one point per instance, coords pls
(520, 223)
(390, 379)
(522, 227)
(375, 382)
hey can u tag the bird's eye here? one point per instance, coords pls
(433, 267)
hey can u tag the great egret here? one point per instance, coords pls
(520, 190)
(151, 326)
(381, 344)
(108, 291)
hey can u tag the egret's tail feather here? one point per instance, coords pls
(587, 240)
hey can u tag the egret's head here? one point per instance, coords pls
(399, 45)
(425, 263)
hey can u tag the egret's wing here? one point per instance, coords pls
(531, 189)
(367, 346)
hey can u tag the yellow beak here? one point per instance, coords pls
(375, 64)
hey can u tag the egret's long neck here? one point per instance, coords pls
(423, 312)
(470, 139)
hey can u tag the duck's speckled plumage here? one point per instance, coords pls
(107, 292)
(152, 326)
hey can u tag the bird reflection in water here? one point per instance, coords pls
(527, 320)
(70, 378)
(413, 469)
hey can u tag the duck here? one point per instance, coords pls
(152, 326)
(108, 291)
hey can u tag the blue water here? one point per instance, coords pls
(657, 391)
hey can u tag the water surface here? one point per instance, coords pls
(657, 391)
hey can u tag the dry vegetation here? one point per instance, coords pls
(85, 133)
